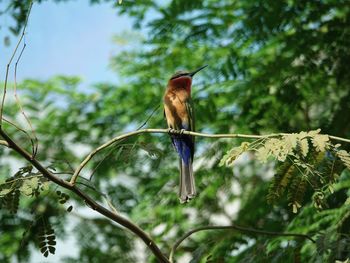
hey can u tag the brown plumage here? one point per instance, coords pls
(175, 99)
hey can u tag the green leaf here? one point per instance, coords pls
(69, 209)
(320, 142)
(5, 191)
(263, 154)
(229, 158)
(29, 185)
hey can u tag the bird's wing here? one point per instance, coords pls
(190, 112)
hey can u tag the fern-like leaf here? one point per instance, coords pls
(46, 239)
(344, 156)
(304, 146)
(296, 192)
(280, 181)
(305, 158)
(320, 142)
(11, 201)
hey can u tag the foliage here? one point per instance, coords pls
(275, 66)
(46, 238)
(24, 182)
(306, 158)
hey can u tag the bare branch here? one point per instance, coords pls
(111, 151)
(10, 61)
(20, 129)
(232, 227)
(133, 133)
(35, 140)
(100, 162)
(336, 138)
(149, 117)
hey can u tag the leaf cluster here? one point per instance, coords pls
(25, 182)
(304, 159)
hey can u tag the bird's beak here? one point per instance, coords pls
(191, 74)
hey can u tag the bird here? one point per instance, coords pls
(179, 114)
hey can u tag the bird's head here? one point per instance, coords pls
(183, 79)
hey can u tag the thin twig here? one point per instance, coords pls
(232, 227)
(93, 188)
(336, 138)
(100, 162)
(10, 61)
(149, 117)
(133, 133)
(35, 140)
(112, 150)
(20, 129)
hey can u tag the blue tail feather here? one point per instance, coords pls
(183, 150)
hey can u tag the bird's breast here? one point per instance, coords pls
(175, 109)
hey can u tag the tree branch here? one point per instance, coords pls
(10, 61)
(232, 227)
(18, 101)
(133, 133)
(88, 200)
(125, 222)
(4, 143)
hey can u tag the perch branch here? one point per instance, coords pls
(133, 133)
(232, 227)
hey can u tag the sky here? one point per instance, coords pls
(69, 38)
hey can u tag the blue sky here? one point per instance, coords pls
(69, 38)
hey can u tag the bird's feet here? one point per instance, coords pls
(174, 131)
(171, 130)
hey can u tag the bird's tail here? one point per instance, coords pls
(187, 186)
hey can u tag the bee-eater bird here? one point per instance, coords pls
(178, 111)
